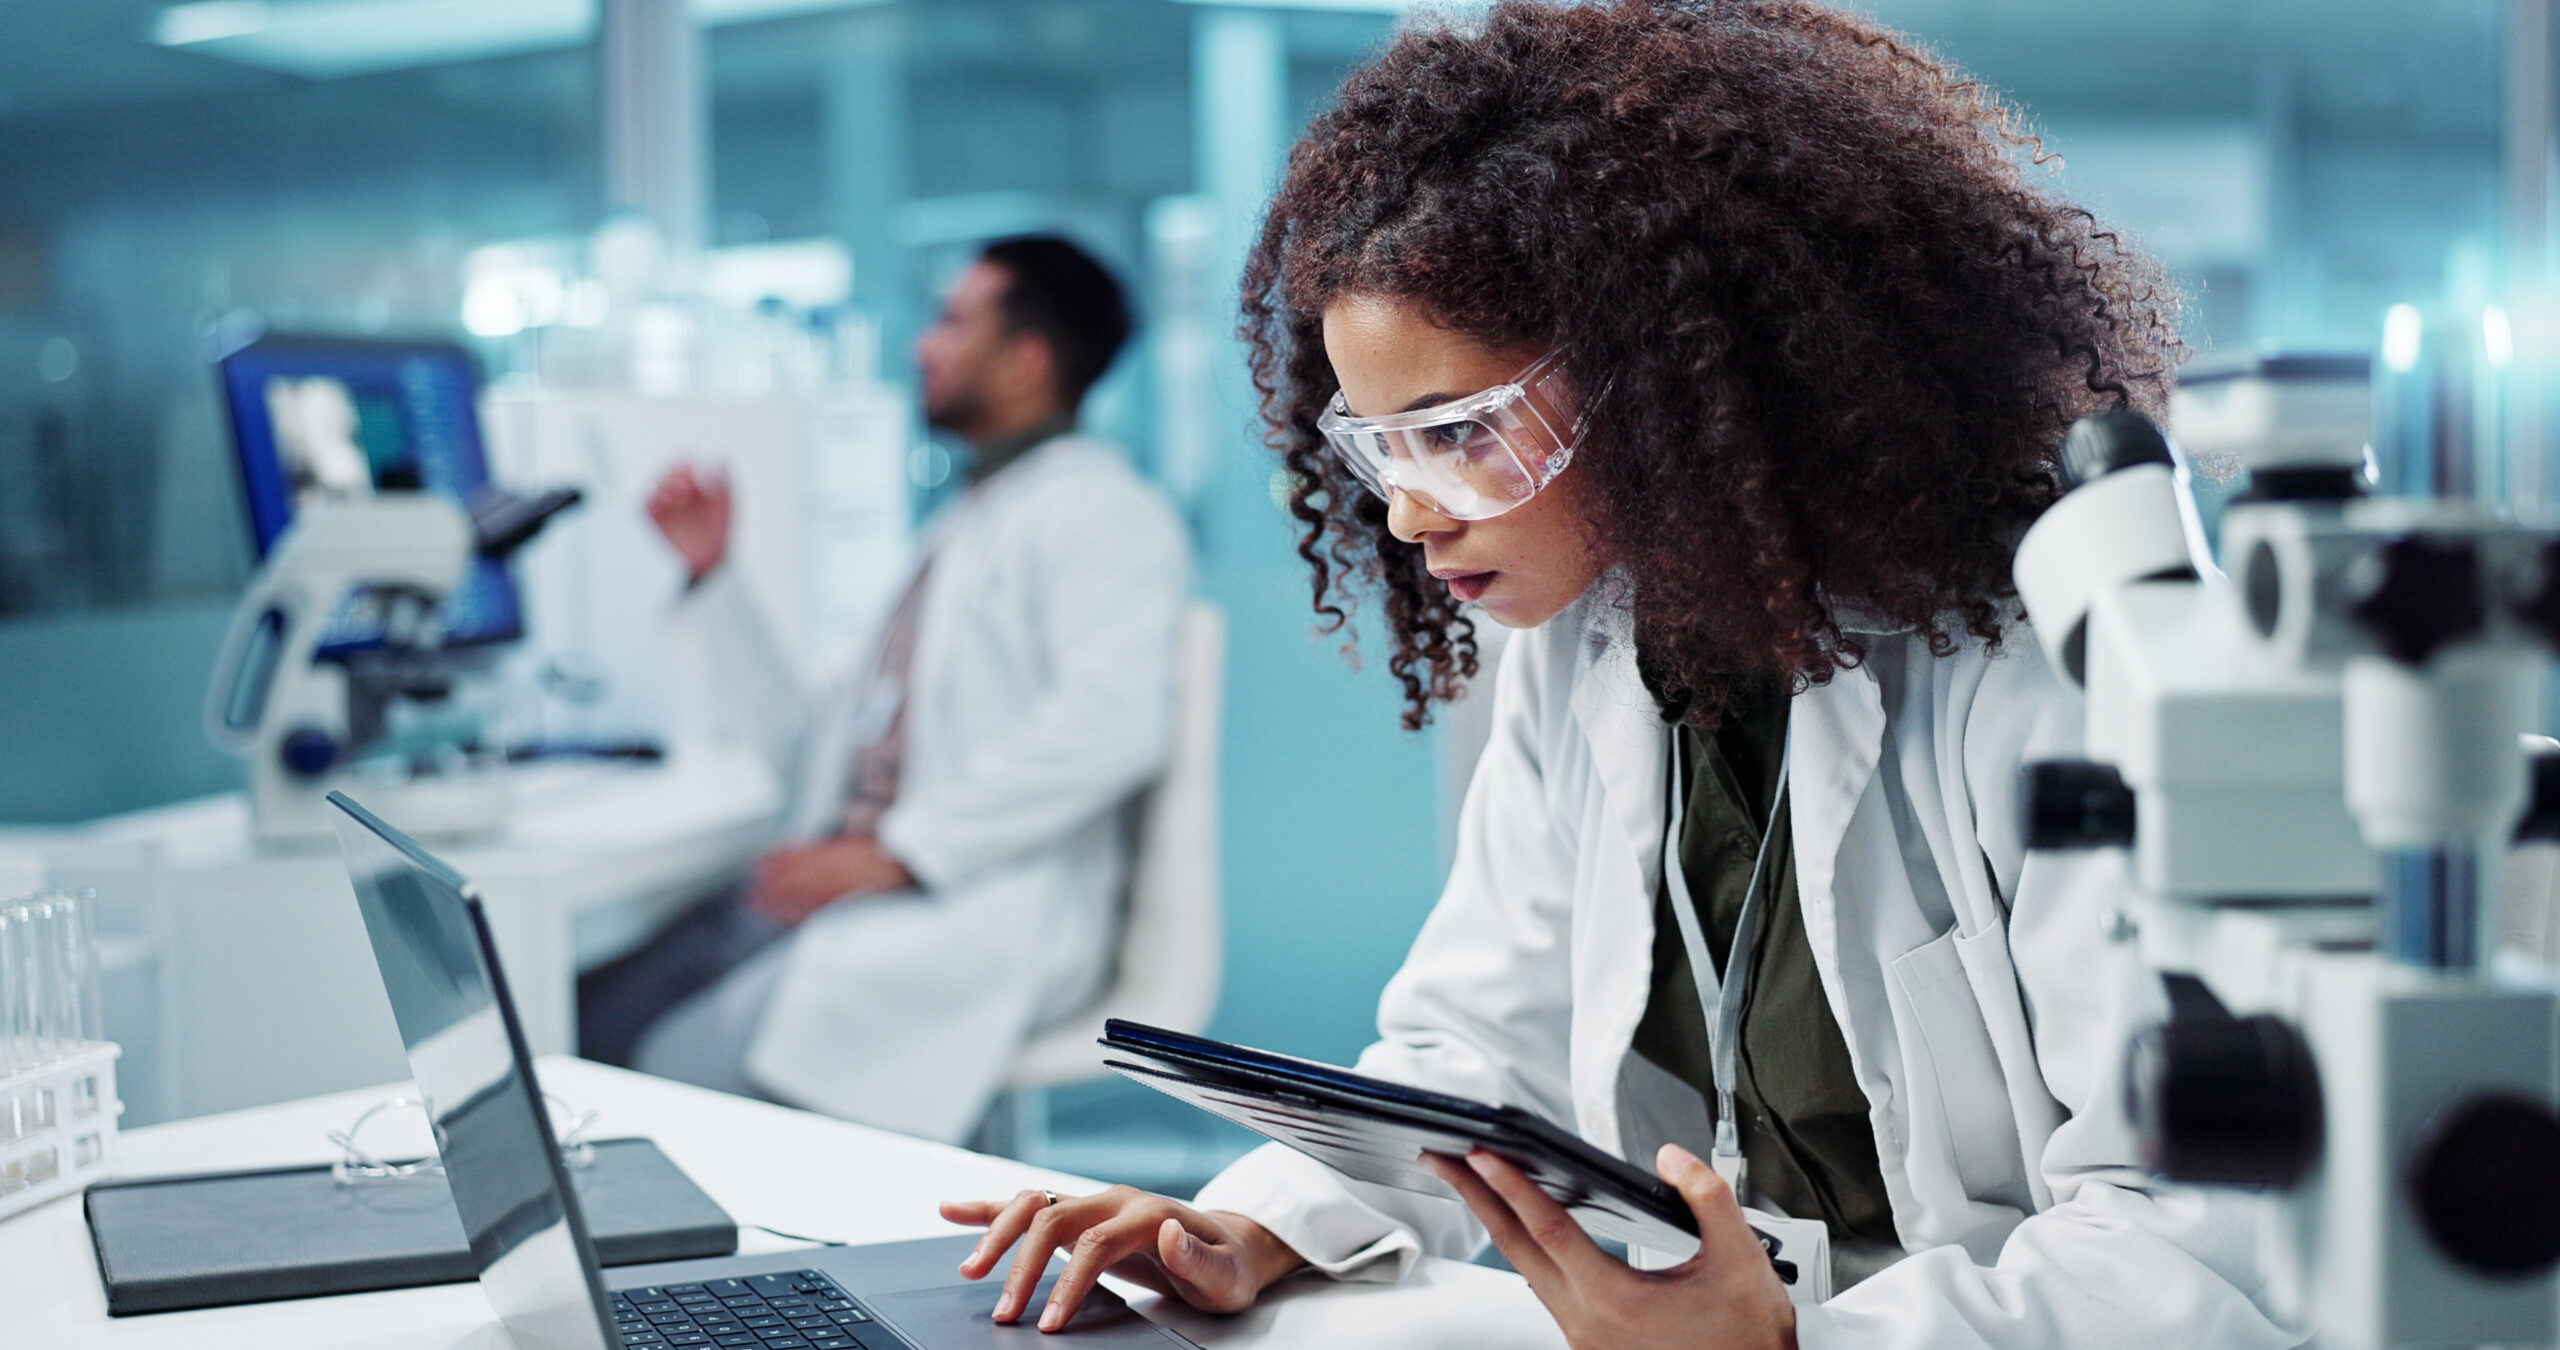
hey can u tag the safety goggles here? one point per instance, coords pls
(1468, 459)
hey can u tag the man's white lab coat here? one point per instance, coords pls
(1039, 701)
(1983, 1008)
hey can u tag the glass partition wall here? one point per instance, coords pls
(168, 170)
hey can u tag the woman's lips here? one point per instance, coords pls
(1468, 587)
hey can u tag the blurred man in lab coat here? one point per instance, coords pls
(961, 792)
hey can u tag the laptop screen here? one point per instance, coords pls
(467, 1051)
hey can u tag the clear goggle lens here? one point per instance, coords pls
(1470, 459)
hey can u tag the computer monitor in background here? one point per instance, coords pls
(314, 415)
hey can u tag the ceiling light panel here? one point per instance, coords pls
(329, 39)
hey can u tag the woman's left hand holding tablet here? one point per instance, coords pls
(1725, 1296)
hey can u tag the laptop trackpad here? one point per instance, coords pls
(959, 1317)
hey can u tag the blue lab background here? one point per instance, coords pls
(2299, 176)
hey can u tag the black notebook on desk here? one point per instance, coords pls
(166, 1243)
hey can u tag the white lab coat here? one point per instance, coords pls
(1984, 1010)
(1040, 702)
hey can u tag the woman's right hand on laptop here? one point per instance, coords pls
(1210, 1259)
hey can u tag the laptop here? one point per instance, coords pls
(529, 1239)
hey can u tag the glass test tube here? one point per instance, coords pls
(24, 971)
(43, 981)
(74, 960)
(76, 948)
(14, 1054)
(52, 1036)
(93, 988)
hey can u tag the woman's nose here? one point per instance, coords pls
(1411, 516)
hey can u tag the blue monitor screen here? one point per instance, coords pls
(315, 416)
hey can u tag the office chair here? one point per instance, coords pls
(1166, 969)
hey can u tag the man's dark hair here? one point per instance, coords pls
(1057, 290)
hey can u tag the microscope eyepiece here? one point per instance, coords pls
(2101, 444)
(2486, 1185)
(2076, 804)
(2226, 1101)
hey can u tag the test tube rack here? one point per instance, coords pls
(58, 1127)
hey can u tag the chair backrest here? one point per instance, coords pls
(1167, 966)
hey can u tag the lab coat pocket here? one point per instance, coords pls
(1963, 1143)
(2035, 1115)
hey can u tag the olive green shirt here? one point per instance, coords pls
(1799, 1111)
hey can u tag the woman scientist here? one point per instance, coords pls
(1726, 348)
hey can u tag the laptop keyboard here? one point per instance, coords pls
(790, 1310)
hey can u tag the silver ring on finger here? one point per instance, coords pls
(1048, 1198)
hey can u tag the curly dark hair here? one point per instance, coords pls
(1827, 331)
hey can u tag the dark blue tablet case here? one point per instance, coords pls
(200, 1241)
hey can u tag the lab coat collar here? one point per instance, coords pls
(1628, 745)
(1835, 742)
(1844, 716)
(1835, 736)
(1620, 719)
(1623, 723)
(1022, 470)
(1025, 463)
(995, 456)
(1857, 620)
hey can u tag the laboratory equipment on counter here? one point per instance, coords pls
(58, 1102)
(383, 599)
(308, 723)
(2311, 771)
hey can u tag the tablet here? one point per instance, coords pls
(1373, 1130)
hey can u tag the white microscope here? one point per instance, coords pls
(2312, 769)
(384, 601)
(306, 723)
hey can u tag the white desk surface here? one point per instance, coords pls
(262, 987)
(792, 1170)
(568, 817)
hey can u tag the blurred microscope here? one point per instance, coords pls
(2312, 768)
(363, 654)
(394, 643)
